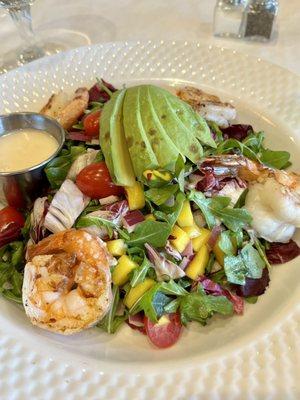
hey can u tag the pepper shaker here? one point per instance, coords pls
(259, 20)
(228, 16)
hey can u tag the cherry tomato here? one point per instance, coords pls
(166, 334)
(11, 222)
(91, 124)
(13, 193)
(95, 181)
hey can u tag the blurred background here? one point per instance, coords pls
(72, 23)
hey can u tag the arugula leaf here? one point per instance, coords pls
(172, 306)
(225, 243)
(140, 273)
(241, 200)
(248, 264)
(275, 159)
(160, 195)
(85, 221)
(170, 214)
(252, 147)
(254, 141)
(234, 218)
(233, 144)
(57, 169)
(216, 130)
(111, 322)
(155, 233)
(217, 207)
(197, 306)
(149, 303)
(205, 206)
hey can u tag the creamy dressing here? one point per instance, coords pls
(24, 148)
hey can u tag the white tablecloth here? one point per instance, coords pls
(93, 21)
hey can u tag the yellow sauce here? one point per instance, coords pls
(25, 148)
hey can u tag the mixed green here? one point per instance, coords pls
(184, 250)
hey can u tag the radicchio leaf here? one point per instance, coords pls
(96, 93)
(237, 131)
(215, 289)
(136, 322)
(254, 287)
(131, 219)
(37, 218)
(280, 253)
(214, 236)
(164, 268)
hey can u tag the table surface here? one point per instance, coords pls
(94, 21)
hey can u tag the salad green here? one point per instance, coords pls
(165, 195)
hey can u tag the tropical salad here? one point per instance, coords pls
(160, 211)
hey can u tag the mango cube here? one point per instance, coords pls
(181, 238)
(135, 196)
(198, 264)
(150, 217)
(185, 217)
(201, 239)
(193, 231)
(137, 292)
(122, 270)
(116, 247)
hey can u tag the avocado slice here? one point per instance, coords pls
(140, 150)
(113, 143)
(191, 119)
(164, 148)
(183, 138)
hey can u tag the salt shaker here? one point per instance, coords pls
(259, 20)
(228, 18)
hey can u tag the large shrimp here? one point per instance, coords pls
(67, 282)
(273, 198)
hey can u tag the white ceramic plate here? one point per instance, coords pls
(249, 357)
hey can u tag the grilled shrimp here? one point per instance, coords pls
(208, 106)
(67, 282)
(273, 198)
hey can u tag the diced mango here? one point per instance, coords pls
(198, 264)
(150, 217)
(122, 270)
(116, 247)
(181, 238)
(153, 175)
(165, 176)
(219, 253)
(193, 231)
(137, 292)
(201, 240)
(185, 217)
(135, 196)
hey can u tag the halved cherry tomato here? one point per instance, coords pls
(164, 334)
(11, 222)
(91, 124)
(13, 193)
(95, 181)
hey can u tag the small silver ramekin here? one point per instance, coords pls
(20, 188)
